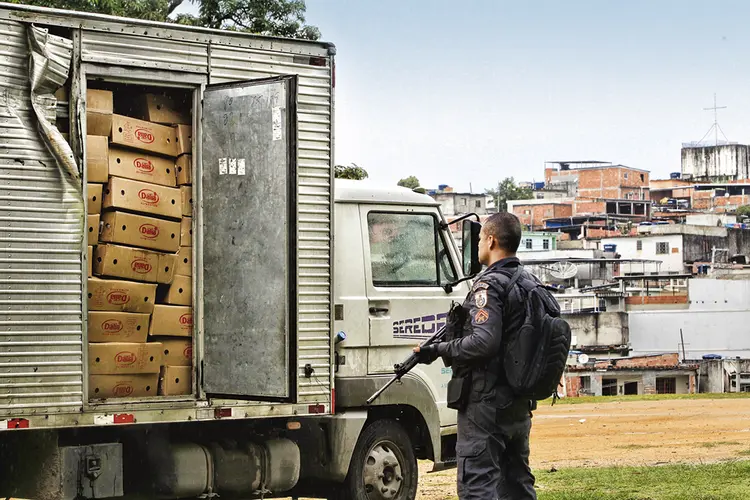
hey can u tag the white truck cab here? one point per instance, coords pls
(394, 256)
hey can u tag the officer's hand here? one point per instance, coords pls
(426, 354)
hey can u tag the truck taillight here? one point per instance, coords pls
(316, 409)
(15, 423)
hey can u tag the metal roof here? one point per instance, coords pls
(349, 191)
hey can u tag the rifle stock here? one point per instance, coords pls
(401, 369)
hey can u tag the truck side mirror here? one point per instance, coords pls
(470, 247)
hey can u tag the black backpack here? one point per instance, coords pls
(534, 356)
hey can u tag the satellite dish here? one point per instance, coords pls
(563, 270)
(583, 359)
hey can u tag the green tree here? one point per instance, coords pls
(508, 190)
(410, 182)
(265, 17)
(743, 211)
(352, 171)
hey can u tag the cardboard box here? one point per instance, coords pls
(184, 134)
(117, 295)
(94, 198)
(90, 259)
(160, 108)
(143, 197)
(97, 152)
(174, 321)
(177, 351)
(184, 265)
(175, 380)
(99, 109)
(142, 167)
(144, 136)
(184, 168)
(124, 357)
(186, 232)
(134, 263)
(186, 193)
(113, 326)
(92, 228)
(123, 385)
(180, 292)
(62, 94)
(140, 231)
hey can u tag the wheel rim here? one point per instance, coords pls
(383, 471)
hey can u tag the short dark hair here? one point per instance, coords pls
(506, 229)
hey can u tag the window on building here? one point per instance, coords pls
(643, 178)
(626, 175)
(527, 212)
(545, 244)
(464, 201)
(609, 387)
(407, 250)
(666, 385)
(478, 204)
(631, 388)
(639, 245)
(662, 247)
(529, 244)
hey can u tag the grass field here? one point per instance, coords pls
(645, 397)
(724, 481)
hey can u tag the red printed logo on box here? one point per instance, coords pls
(149, 231)
(188, 352)
(125, 358)
(148, 196)
(143, 165)
(144, 135)
(140, 266)
(112, 325)
(118, 298)
(186, 319)
(122, 390)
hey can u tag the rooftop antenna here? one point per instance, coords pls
(715, 127)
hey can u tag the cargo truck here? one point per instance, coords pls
(189, 308)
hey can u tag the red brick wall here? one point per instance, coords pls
(538, 213)
(572, 385)
(656, 299)
(581, 206)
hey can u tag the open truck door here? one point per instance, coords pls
(248, 228)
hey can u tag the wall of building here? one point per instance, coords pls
(716, 322)
(533, 215)
(575, 382)
(716, 163)
(627, 247)
(537, 242)
(602, 329)
(461, 203)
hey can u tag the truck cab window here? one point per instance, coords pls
(406, 250)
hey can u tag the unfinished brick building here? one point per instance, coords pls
(598, 180)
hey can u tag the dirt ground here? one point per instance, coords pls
(625, 433)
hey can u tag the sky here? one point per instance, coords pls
(468, 93)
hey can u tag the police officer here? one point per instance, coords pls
(493, 426)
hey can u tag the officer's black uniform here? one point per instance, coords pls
(493, 430)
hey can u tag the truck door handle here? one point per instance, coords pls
(376, 310)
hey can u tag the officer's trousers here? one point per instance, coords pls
(493, 454)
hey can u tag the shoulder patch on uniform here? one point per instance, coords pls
(480, 285)
(480, 298)
(481, 316)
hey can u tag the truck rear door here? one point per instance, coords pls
(248, 229)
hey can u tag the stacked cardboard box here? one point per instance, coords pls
(137, 231)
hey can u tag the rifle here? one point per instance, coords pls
(401, 369)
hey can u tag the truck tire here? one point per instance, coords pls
(383, 465)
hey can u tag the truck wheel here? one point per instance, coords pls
(383, 465)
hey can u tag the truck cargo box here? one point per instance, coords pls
(257, 199)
